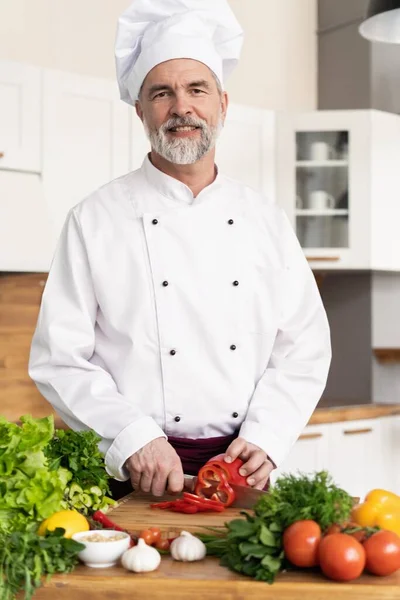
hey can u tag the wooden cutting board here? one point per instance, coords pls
(134, 513)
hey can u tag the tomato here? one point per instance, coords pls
(341, 557)
(365, 514)
(389, 521)
(383, 553)
(147, 536)
(300, 543)
(162, 545)
(156, 531)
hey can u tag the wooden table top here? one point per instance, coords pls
(203, 580)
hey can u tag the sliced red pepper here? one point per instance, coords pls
(213, 484)
(204, 503)
(163, 505)
(184, 507)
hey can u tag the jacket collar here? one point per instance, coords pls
(173, 188)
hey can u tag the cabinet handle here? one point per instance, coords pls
(310, 436)
(322, 258)
(1, 154)
(357, 431)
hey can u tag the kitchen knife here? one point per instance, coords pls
(245, 497)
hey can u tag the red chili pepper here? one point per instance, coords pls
(100, 517)
(213, 483)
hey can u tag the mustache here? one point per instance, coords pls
(183, 122)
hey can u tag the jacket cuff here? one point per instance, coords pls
(275, 448)
(130, 440)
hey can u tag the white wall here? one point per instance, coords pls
(278, 69)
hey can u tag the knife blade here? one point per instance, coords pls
(245, 497)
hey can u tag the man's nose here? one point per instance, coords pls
(180, 107)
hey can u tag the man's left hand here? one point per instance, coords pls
(256, 466)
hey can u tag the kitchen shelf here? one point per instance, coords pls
(326, 163)
(329, 212)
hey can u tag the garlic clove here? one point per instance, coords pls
(187, 548)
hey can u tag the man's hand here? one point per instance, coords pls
(256, 464)
(155, 466)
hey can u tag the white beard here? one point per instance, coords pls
(183, 151)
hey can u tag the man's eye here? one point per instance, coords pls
(160, 95)
(197, 91)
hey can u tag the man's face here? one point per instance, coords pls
(182, 110)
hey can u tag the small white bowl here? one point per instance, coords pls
(102, 554)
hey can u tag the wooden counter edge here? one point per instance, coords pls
(353, 413)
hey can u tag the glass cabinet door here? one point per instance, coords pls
(322, 189)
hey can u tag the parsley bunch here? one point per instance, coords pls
(26, 557)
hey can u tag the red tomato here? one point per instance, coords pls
(300, 543)
(156, 531)
(341, 557)
(383, 553)
(147, 536)
(162, 545)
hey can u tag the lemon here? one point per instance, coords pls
(70, 520)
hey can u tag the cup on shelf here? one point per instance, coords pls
(320, 151)
(321, 200)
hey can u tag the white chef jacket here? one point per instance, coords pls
(165, 314)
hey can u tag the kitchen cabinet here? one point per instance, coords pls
(355, 456)
(85, 139)
(310, 452)
(390, 452)
(245, 150)
(338, 181)
(26, 239)
(360, 455)
(20, 117)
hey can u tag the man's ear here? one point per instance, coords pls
(224, 105)
(139, 110)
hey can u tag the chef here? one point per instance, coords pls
(180, 318)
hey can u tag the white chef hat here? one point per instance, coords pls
(152, 31)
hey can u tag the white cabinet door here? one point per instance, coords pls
(20, 117)
(86, 139)
(25, 236)
(309, 454)
(390, 457)
(246, 148)
(355, 456)
(140, 145)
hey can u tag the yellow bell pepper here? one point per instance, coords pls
(380, 509)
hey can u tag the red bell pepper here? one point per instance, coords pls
(213, 484)
(215, 476)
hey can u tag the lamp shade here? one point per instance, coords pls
(382, 23)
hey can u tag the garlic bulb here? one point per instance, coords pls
(141, 558)
(187, 547)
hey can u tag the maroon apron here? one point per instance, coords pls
(194, 453)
